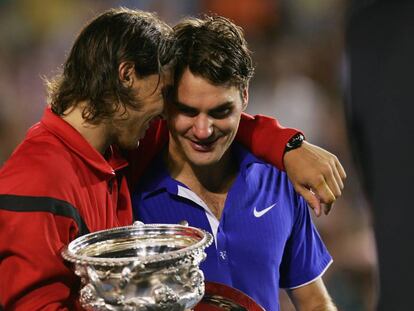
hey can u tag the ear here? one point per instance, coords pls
(126, 73)
(245, 97)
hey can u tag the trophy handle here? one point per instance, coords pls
(183, 223)
(138, 223)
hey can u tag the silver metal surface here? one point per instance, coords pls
(140, 267)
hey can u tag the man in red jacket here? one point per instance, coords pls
(67, 177)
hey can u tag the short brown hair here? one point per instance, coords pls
(90, 72)
(213, 48)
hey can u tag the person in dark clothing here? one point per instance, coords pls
(380, 49)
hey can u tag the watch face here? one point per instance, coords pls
(295, 142)
(220, 297)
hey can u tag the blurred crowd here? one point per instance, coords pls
(298, 51)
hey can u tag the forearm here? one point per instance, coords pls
(325, 306)
(312, 297)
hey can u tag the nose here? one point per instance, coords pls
(202, 127)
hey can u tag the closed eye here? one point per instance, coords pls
(222, 111)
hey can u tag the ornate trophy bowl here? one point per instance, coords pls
(140, 267)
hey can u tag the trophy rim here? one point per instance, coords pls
(69, 251)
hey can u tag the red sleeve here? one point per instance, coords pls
(33, 275)
(265, 137)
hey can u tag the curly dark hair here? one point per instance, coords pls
(90, 72)
(213, 48)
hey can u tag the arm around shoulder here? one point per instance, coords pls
(315, 173)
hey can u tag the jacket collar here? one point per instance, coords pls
(79, 145)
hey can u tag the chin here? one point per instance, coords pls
(199, 161)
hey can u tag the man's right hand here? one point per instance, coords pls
(316, 174)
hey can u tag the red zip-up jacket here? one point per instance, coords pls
(56, 187)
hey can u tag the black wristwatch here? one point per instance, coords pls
(295, 142)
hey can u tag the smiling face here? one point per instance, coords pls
(129, 127)
(203, 120)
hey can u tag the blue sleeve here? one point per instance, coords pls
(305, 257)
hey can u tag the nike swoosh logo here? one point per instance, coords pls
(258, 214)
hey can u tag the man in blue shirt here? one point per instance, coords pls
(263, 234)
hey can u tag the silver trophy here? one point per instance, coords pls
(140, 267)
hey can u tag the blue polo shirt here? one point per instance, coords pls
(265, 238)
